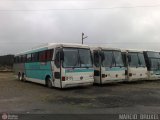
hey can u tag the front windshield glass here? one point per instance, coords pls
(70, 58)
(74, 57)
(153, 54)
(134, 60)
(85, 58)
(155, 64)
(141, 60)
(108, 59)
(118, 58)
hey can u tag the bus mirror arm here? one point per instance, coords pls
(102, 56)
(61, 55)
(129, 58)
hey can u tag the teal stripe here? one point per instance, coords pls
(115, 68)
(79, 70)
(38, 70)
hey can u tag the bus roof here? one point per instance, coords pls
(105, 48)
(52, 45)
(151, 51)
(132, 50)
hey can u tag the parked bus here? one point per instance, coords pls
(58, 65)
(108, 65)
(135, 64)
(152, 59)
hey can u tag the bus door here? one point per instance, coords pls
(57, 68)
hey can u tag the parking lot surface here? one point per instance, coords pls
(27, 97)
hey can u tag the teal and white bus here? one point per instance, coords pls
(108, 65)
(135, 64)
(152, 59)
(57, 65)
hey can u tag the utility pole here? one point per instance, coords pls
(83, 37)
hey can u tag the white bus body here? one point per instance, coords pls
(152, 59)
(108, 65)
(58, 65)
(135, 64)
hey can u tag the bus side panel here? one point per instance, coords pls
(38, 70)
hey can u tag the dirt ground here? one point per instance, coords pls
(27, 97)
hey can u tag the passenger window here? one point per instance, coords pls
(42, 56)
(49, 55)
(35, 57)
(24, 58)
(29, 58)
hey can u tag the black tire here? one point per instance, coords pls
(49, 83)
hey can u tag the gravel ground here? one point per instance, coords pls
(31, 98)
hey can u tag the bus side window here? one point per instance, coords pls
(23, 58)
(96, 58)
(28, 57)
(42, 56)
(35, 57)
(49, 55)
(57, 59)
(17, 59)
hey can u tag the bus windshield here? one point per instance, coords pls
(85, 58)
(108, 59)
(112, 59)
(153, 54)
(155, 64)
(118, 58)
(137, 60)
(134, 60)
(74, 57)
(141, 60)
(70, 58)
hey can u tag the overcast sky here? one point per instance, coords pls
(115, 23)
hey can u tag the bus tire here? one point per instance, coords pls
(48, 82)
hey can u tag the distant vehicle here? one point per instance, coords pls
(152, 59)
(135, 64)
(58, 65)
(108, 65)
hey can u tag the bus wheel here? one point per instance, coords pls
(48, 83)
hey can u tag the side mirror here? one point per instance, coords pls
(102, 55)
(61, 55)
(129, 58)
